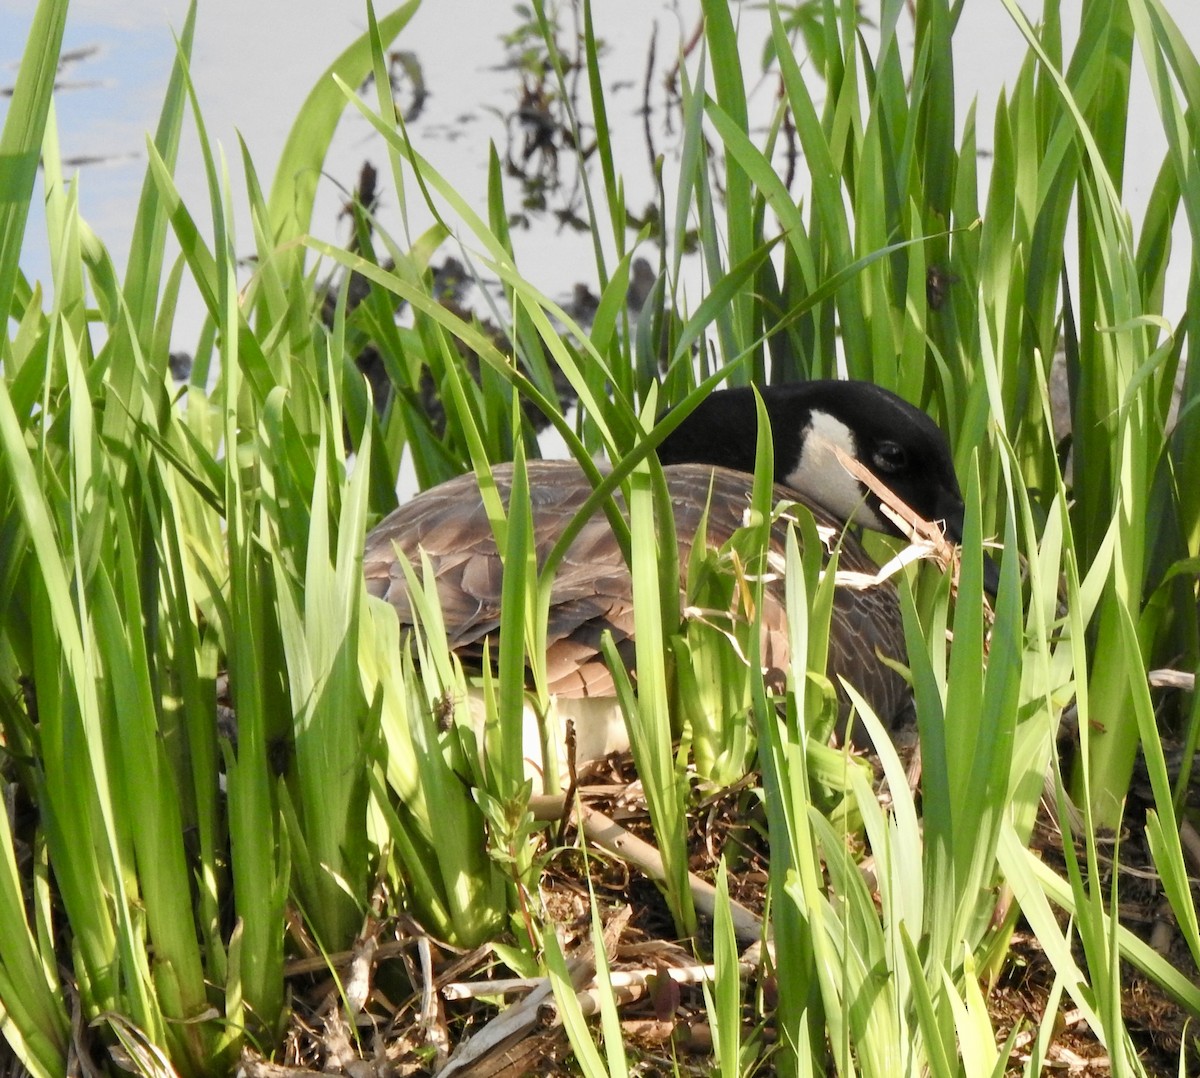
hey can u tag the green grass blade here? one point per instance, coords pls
(21, 140)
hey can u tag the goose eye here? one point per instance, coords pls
(890, 457)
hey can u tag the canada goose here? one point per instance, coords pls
(705, 460)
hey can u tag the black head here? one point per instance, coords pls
(899, 443)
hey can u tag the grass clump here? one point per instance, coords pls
(218, 755)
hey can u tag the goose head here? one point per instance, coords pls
(810, 421)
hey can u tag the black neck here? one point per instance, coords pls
(723, 428)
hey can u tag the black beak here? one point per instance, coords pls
(950, 511)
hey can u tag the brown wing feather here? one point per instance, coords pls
(592, 591)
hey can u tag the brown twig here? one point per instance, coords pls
(611, 836)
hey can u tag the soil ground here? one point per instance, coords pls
(402, 1030)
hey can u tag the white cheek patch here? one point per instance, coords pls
(820, 475)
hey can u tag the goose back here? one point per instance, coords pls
(592, 590)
